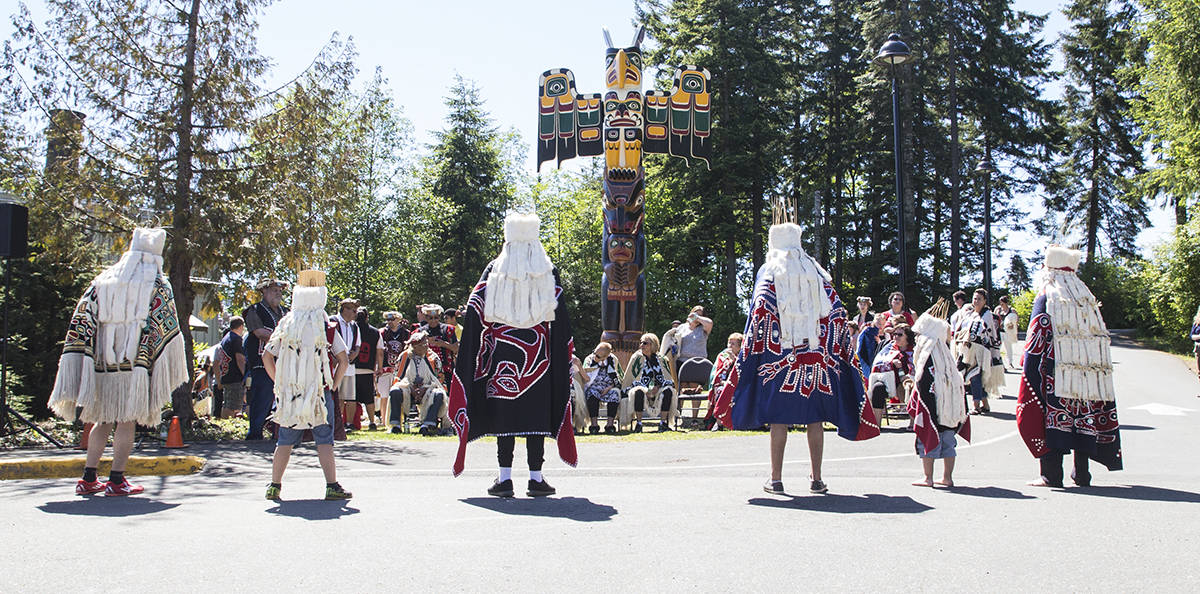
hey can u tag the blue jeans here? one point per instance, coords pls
(262, 397)
(322, 434)
(976, 387)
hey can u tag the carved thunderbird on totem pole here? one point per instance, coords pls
(622, 126)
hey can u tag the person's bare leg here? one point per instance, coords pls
(280, 462)
(947, 472)
(879, 412)
(816, 448)
(122, 445)
(385, 410)
(778, 444)
(927, 466)
(328, 466)
(371, 414)
(97, 441)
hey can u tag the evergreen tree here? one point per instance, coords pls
(1103, 152)
(469, 187)
(1019, 279)
(1167, 85)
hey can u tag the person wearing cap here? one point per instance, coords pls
(393, 339)
(261, 319)
(443, 339)
(513, 375)
(419, 378)
(123, 356)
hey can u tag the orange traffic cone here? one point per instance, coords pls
(175, 435)
(83, 436)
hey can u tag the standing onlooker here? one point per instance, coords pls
(867, 346)
(1196, 339)
(348, 330)
(865, 315)
(393, 337)
(669, 350)
(442, 339)
(367, 365)
(231, 369)
(722, 369)
(450, 319)
(1008, 329)
(898, 310)
(261, 319)
(693, 336)
(981, 353)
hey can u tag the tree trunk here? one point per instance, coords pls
(179, 256)
(1093, 217)
(955, 156)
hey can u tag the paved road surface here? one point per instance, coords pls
(669, 515)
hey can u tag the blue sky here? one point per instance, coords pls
(501, 45)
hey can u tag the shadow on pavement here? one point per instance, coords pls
(1125, 427)
(312, 509)
(579, 509)
(1139, 493)
(871, 503)
(1003, 416)
(110, 507)
(989, 492)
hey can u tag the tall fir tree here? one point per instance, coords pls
(1092, 189)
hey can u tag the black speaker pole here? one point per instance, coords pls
(5, 409)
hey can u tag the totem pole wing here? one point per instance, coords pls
(656, 122)
(690, 119)
(568, 123)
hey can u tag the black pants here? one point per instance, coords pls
(535, 450)
(879, 396)
(639, 398)
(1052, 467)
(593, 408)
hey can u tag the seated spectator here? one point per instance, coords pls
(720, 374)
(892, 366)
(579, 412)
(418, 379)
(897, 310)
(647, 384)
(868, 343)
(605, 372)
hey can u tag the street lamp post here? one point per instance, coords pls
(892, 53)
(986, 170)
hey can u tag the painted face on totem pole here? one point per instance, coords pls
(623, 105)
(621, 248)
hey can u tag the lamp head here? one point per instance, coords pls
(893, 51)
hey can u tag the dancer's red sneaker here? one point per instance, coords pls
(88, 487)
(112, 489)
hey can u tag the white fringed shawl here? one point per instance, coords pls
(520, 286)
(799, 286)
(1082, 361)
(933, 335)
(302, 364)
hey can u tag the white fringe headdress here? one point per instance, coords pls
(123, 293)
(933, 335)
(1082, 361)
(799, 286)
(520, 286)
(302, 364)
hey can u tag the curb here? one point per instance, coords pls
(34, 468)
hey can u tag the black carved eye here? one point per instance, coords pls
(633, 105)
(612, 106)
(636, 60)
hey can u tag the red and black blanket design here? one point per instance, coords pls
(1047, 422)
(513, 381)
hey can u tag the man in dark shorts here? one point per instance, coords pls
(367, 365)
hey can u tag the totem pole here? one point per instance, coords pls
(622, 127)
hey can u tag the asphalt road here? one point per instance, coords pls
(652, 515)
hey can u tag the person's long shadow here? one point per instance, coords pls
(110, 507)
(989, 492)
(1003, 416)
(579, 509)
(871, 503)
(312, 509)
(1125, 427)
(1138, 493)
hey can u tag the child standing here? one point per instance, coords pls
(937, 402)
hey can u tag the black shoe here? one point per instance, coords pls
(1081, 481)
(373, 427)
(610, 428)
(663, 426)
(425, 430)
(501, 489)
(818, 487)
(396, 430)
(538, 488)
(637, 428)
(594, 429)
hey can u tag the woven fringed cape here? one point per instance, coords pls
(132, 390)
(302, 368)
(937, 401)
(511, 380)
